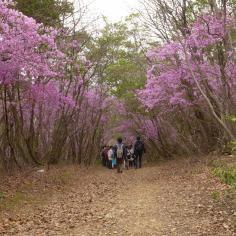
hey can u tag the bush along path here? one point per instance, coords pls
(171, 198)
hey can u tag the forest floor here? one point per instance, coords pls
(178, 197)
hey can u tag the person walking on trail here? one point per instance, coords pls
(120, 154)
(113, 159)
(104, 155)
(139, 149)
(110, 157)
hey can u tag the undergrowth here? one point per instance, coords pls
(227, 175)
(225, 169)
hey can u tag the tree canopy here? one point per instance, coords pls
(48, 12)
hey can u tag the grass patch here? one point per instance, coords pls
(227, 175)
(215, 195)
(63, 178)
(2, 195)
(11, 202)
(218, 163)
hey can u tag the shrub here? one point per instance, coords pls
(226, 174)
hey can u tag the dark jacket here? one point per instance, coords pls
(105, 153)
(139, 147)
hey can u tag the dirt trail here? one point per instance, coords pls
(168, 199)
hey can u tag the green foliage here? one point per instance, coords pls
(2, 195)
(123, 77)
(197, 5)
(217, 163)
(233, 143)
(231, 118)
(47, 12)
(120, 60)
(215, 195)
(226, 174)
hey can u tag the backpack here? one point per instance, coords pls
(130, 155)
(120, 151)
(139, 146)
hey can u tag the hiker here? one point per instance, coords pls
(139, 149)
(105, 156)
(102, 155)
(120, 154)
(129, 157)
(110, 155)
(126, 161)
(114, 164)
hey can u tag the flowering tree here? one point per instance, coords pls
(58, 106)
(191, 81)
(49, 110)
